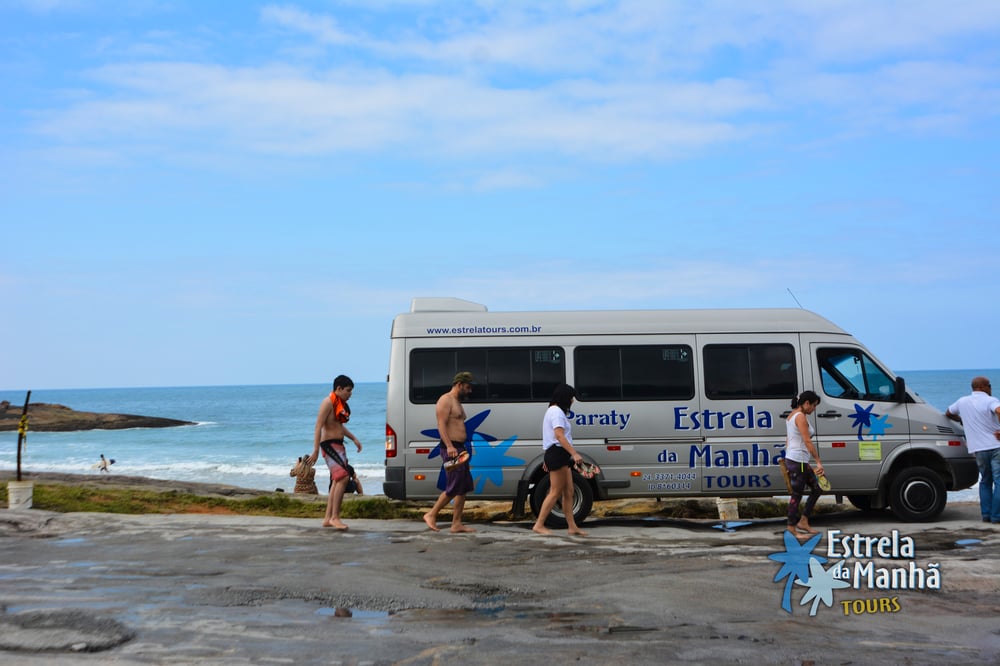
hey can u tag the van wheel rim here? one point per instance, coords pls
(558, 508)
(919, 496)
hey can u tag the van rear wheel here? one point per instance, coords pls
(917, 494)
(583, 501)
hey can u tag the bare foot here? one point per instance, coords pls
(577, 532)
(337, 524)
(458, 529)
(806, 528)
(431, 523)
(540, 530)
(796, 533)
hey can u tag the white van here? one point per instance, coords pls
(671, 403)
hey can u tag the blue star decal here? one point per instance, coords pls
(795, 564)
(879, 426)
(862, 417)
(488, 463)
(471, 425)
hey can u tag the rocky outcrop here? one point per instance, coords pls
(45, 417)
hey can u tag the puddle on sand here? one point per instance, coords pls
(491, 605)
(88, 565)
(482, 615)
(540, 620)
(70, 542)
(732, 525)
(355, 614)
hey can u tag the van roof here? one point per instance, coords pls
(445, 317)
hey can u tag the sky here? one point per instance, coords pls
(201, 192)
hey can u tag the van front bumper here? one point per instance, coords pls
(965, 472)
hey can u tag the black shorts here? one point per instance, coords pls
(556, 457)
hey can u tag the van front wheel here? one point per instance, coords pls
(917, 494)
(583, 501)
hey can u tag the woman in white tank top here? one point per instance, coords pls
(799, 449)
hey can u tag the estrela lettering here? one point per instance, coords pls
(709, 419)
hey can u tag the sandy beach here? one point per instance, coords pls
(150, 589)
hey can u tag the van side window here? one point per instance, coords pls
(735, 372)
(854, 375)
(647, 372)
(515, 374)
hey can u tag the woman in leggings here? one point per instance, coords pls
(798, 451)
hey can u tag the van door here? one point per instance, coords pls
(633, 412)
(748, 383)
(858, 422)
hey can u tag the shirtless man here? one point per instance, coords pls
(451, 427)
(329, 434)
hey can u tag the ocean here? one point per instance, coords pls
(250, 436)
(246, 436)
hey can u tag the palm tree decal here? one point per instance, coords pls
(822, 582)
(795, 564)
(862, 418)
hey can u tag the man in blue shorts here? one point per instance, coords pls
(451, 426)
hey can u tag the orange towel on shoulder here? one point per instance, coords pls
(341, 410)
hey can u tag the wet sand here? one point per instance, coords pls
(99, 588)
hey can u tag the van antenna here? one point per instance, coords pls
(793, 296)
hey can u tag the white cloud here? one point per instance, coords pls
(857, 29)
(505, 179)
(568, 285)
(280, 110)
(323, 29)
(609, 82)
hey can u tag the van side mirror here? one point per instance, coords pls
(900, 390)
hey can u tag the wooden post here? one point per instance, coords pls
(22, 432)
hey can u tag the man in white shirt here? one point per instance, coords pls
(978, 413)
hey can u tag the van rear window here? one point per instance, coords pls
(501, 374)
(736, 372)
(635, 372)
